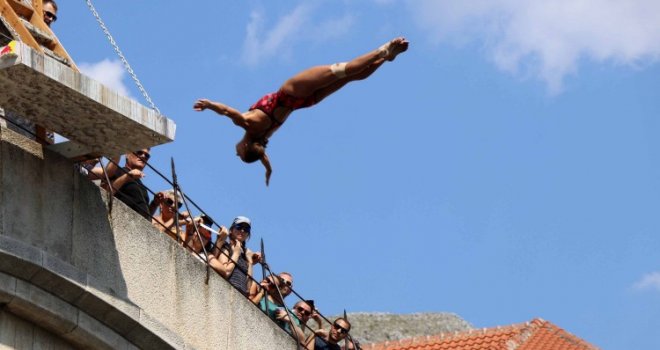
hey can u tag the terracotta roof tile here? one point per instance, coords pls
(537, 334)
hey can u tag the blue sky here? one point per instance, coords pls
(505, 168)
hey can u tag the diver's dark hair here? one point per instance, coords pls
(253, 153)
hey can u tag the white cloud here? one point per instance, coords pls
(300, 25)
(649, 281)
(107, 72)
(331, 28)
(547, 39)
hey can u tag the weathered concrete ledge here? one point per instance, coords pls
(48, 292)
(88, 275)
(57, 97)
(63, 320)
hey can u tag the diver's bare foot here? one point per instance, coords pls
(396, 46)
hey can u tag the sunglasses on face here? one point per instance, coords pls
(340, 329)
(243, 228)
(142, 154)
(303, 311)
(285, 283)
(170, 203)
(50, 15)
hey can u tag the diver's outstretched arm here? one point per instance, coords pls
(220, 108)
(266, 162)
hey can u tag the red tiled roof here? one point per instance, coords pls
(535, 335)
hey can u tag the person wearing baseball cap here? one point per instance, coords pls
(235, 259)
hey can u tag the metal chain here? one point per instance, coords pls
(121, 56)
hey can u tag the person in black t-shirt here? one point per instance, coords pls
(128, 186)
(328, 340)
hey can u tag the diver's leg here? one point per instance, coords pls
(309, 81)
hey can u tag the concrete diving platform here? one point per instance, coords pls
(98, 120)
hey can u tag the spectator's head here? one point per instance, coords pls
(50, 11)
(250, 152)
(240, 229)
(339, 330)
(169, 204)
(303, 310)
(286, 283)
(196, 245)
(138, 159)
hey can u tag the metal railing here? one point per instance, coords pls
(203, 255)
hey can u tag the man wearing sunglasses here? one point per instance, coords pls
(50, 12)
(128, 187)
(329, 340)
(165, 220)
(270, 288)
(302, 312)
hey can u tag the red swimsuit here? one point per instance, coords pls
(268, 103)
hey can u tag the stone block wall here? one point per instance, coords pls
(105, 279)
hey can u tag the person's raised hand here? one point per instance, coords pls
(268, 173)
(136, 174)
(315, 314)
(265, 284)
(159, 197)
(280, 314)
(254, 257)
(201, 104)
(237, 247)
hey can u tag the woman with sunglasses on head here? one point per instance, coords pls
(165, 220)
(234, 259)
(305, 89)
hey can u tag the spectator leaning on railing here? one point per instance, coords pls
(270, 289)
(234, 253)
(128, 186)
(198, 243)
(302, 311)
(329, 340)
(165, 220)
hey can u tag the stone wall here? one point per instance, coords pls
(16, 333)
(99, 278)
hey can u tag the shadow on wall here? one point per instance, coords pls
(46, 204)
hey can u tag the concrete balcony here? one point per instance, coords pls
(74, 273)
(99, 120)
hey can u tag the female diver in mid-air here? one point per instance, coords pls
(303, 90)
